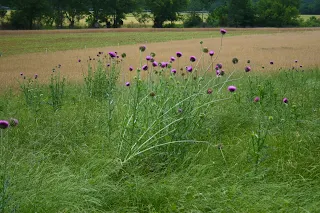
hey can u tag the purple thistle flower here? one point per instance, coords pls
(108, 64)
(127, 84)
(219, 65)
(179, 54)
(296, 61)
(271, 62)
(193, 59)
(35, 76)
(79, 60)
(189, 68)
(145, 67)
(174, 71)
(300, 66)
(232, 88)
(154, 64)
(285, 100)
(209, 91)
(256, 99)
(223, 31)
(21, 73)
(130, 68)
(113, 54)
(247, 68)
(148, 58)
(4, 124)
(218, 73)
(222, 72)
(172, 59)
(211, 53)
(14, 122)
(163, 64)
(216, 68)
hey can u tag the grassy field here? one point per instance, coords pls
(183, 142)
(20, 42)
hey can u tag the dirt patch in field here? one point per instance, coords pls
(281, 48)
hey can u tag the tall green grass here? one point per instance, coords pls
(165, 144)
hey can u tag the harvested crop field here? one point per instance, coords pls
(279, 46)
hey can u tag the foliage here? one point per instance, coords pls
(193, 20)
(241, 13)
(311, 22)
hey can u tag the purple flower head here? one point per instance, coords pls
(172, 59)
(209, 91)
(163, 64)
(285, 100)
(189, 68)
(108, 64)
(118, 56)
(223, 31)
(142, 48)
(211, 53)
(296, 61)
(179, 54)
(4, 124)
(35, 76)
(14, 122)
(21, 73)
(219, 65)
(193, 59)
(232, 88)
(130, 68)
(127, 84)
(174, 71)
(216, 68)
(145, 67)
(59, 65)
(256, 99)
(300, 66)
(154, 64)
(79, 60)
(271, 62)
(218, 72)
(222, 72)
(247, 69)
(113, 54)
(148, 58)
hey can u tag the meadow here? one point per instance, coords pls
(199, 131)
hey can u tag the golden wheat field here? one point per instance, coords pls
(281, 48)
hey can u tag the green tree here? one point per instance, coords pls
(240, 13)
(165, 10)
(278, 13)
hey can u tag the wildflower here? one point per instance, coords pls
(300, 66)
(216, 68)
(285, 100)
(296, 61)
(130, 68)
(179, 54)
(189, 68)
(154, 64)
(142, 48)
(148, 58)
(127, 84)
(123, 55)
(248, 61)
(174, 71)
(35, 76)
(222, 72)
(205, 50)
(223, 31)
(79, 60)
(193, 59)
(14, 122)
(172, 59)
(108, 64)
(271, 62)
(219, 65)
(21, 74)
(153, 54)
(256, 99)
(59, 65)
(4, 124)
(247, 69)
(218, 73)
(112, 54)
(100, 53)
(163, 64)
(145, 67)
(211, 53)
(235, 60)
(152, 94)
(209, 91)
(201, 42)
(232, 88)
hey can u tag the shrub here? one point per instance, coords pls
(193, 20)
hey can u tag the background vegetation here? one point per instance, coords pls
(37, 14)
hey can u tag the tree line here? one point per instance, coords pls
(28, 14)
